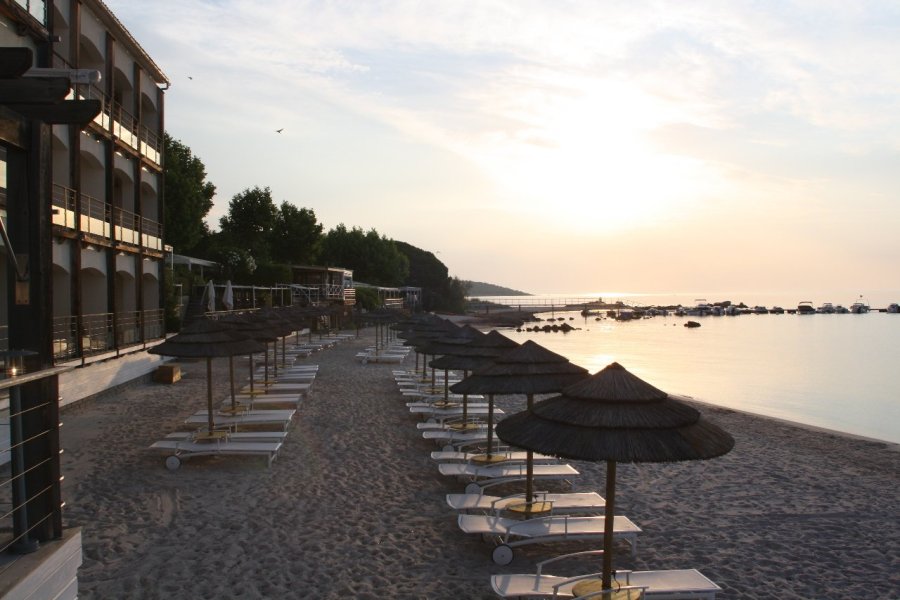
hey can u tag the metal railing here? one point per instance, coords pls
(97, 332)
(94, 219)
(30, 493)
(65, 336)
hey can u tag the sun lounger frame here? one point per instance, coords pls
(503, 531)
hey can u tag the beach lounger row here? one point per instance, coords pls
(272, 407)
(572, 516)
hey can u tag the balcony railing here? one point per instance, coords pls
(96, 216)
(99, 334)
(118, 121)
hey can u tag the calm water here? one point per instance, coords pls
(837, 371)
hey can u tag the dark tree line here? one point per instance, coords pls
(257, 240)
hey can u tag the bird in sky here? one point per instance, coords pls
(279, 130)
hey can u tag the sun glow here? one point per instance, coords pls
(582, 149)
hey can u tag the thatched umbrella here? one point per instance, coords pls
(529, 369)
(471, 356)
(254, 329)
(420, 336)
(207, 339)
(617, 417)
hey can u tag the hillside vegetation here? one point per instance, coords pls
(479, 288)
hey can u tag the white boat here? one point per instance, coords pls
(893, 308)
(826, 308)
(777, 310)
(859, 307)
(760, 310)
(841, 310)
(806, 308)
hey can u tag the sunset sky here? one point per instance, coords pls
(560, 146)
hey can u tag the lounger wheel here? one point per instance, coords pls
(502, 555)
(431, 420)
(473, 488)
(173, 462)
(448, 448)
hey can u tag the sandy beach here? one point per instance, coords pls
(354, 508)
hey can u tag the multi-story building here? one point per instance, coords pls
(107, 182)
(82, 255)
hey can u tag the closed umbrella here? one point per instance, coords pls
(210, 296)
(228, 296)
(617, 417)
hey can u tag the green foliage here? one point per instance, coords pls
(367, 298)
(297, 235)
(250, 223)
(374, 258)
(171, 316)
(271, 274)
(439, 291)
(238, 263)
(188, 197)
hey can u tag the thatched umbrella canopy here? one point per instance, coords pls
(617, 417)
(474, 353)
(422, 334)
(207, 339)
(255, 329)
(529, 369)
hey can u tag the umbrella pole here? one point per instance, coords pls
(529, 464)
(447, 388)
(231, 379)
(266, 382)
(209, 404)
(490, 426)
(251, 376)
(608, 523)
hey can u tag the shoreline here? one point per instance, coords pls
(485, 324)
(353, 506)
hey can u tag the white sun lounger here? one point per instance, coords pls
(232, 436)
(573, 502)
(480, 478)
(180, 450)
(451, 411)
(510, 533)
(279, 388)
(257, 399)
(454, 440)
(281, 418)
(678, 584)
(366, 357)
(501, 454)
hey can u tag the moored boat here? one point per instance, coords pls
(893, 308)
(859, 307)
(806, 308)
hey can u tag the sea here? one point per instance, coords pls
(833, 371)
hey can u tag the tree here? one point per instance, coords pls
(439, 290)
(250, 223)
(374, 258)
(187, 195)
(297, 236)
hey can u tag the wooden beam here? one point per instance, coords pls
(68, 112)
(34, 90)
(15, 61)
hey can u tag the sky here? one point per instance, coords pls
(560, 145)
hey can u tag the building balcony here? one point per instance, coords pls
(122, 125)
(100, 219)
(102, 333)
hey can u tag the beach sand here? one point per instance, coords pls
(354, 508)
